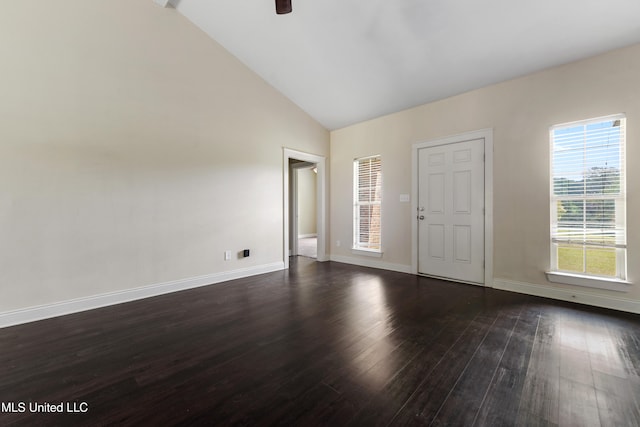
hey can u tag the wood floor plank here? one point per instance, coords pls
(502, 399)
(578, 404)
(425, 402)
(463, 403)
(617, 400)
(398, 391)
(539, 399)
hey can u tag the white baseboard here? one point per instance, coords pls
(305, 236)
(605, 301)
(373, 263)
(47, 311)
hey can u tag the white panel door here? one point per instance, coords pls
(451, 211)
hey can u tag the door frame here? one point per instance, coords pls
(487, 136)
(321, 198)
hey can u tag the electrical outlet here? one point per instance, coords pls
(227, 255)
(338, 243)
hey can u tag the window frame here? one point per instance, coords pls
(358, 247)
(617, 282)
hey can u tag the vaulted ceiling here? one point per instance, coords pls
(346, 61)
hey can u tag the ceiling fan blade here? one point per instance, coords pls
(283, 6)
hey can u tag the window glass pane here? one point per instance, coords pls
(570, 219)
(601, 261)
(571, 186)
(586, 159)
(364, 194)
(365, 220)
(602, 180)
(599, 225)
(571, 258)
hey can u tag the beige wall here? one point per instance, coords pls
(520, 112)
(134, 150)
(307, 201)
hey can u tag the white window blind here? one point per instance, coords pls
(367, 206)
(588, 224)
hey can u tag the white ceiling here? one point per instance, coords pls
(345, 61)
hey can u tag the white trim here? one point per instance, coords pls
(487, 135)
(400, 268)
(622, 304)
(321, 195)
(306, 236)
(365, 252)
(589, 281)
(293, 210)
(47, 311)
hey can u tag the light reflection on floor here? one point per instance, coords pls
(373, 364)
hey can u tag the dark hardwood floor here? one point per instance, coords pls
(328, 344)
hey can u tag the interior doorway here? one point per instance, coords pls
(292, 233)
(303, 234)
(308, 247)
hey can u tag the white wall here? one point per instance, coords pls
(520, 112)
(134, 150)
(307, 221)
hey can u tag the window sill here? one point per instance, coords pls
(366, 252)
(589, 281)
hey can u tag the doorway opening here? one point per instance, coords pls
(304, 206)
(303, 209)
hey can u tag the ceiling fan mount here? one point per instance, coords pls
(283, 7)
